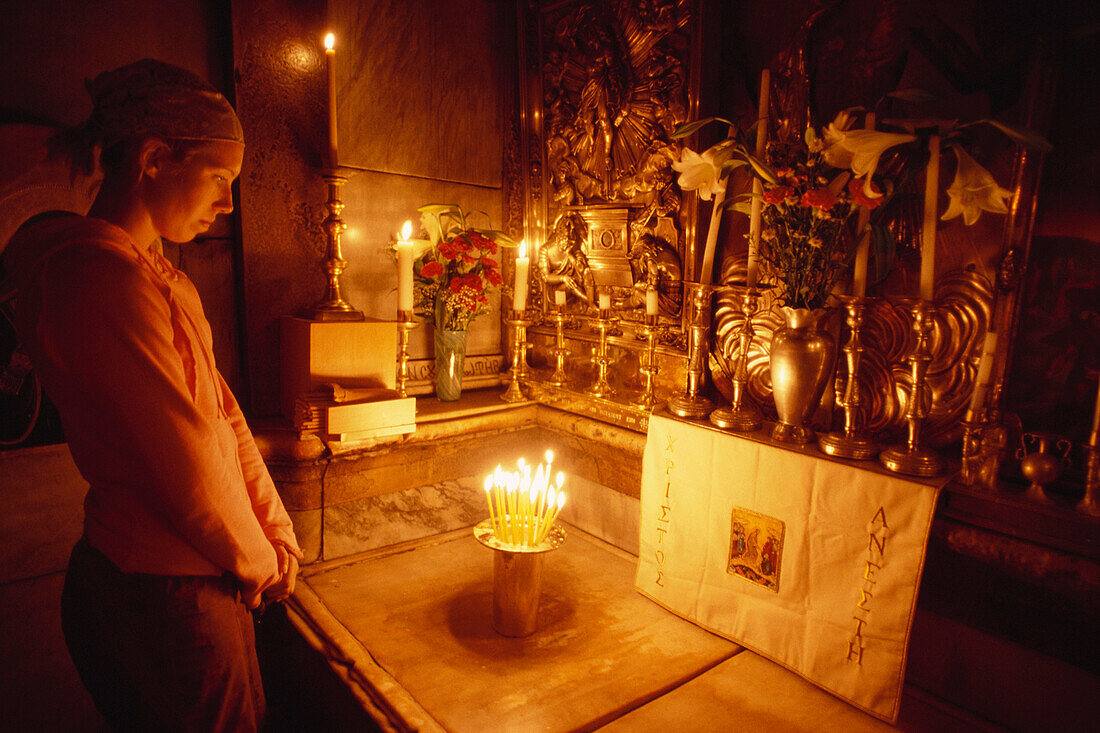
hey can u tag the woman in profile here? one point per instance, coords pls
(184, 532)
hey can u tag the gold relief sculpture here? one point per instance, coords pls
(562, 263)
(612, 80)
(963, 306)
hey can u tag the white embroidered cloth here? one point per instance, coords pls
(812, 562)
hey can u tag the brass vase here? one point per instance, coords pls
(803, 359)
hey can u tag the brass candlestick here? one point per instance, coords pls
(519, 357)
(1090, 502)
(405, 323)
(692, 402)
(741, 415)
(971, 453)
(851, 443)
(602, 388)
(912, 458)
(648, 399)
(559, 351)
(333, 307)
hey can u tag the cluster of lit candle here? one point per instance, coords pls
(523, 505)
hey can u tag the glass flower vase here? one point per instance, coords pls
(450, 356)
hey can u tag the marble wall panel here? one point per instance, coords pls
(420, 87)
(411, 465)
(400, 516)
(307, 528)
(280, 100)
(377, 205)
(604, 512)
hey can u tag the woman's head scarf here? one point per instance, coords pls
(150, 97)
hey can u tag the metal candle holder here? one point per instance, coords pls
(517, 579)
(333, 307)
(1090, 502)
(519, 358)
(741, 415)
(912, 458)
(602, 388)
(851, 443)
(557, 379)
(648, 368)
(405, 323)
(691, 402)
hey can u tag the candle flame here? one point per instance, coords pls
(406, 231)
(523, 505)
(330, 41)
(523, 248)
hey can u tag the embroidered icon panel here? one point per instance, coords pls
(756, 548)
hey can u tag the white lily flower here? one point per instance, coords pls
(431, 225)
(859, 150)
(973, 191)
(700, 173)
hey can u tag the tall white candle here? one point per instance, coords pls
(605, 301)
(405, 270)
(757, 184)
(1094, 432)
(651, 302)
(331, 159)
(981, 381)
(523, 266)
(928, 231)
(707, 273)
(863, 249)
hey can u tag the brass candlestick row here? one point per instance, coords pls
(557, 379)
(912, 458)
(602, 388)
(741, 415)
(405, 323)
(648, 367)
(1090, 502)
(851, 443)
(519, 358)
(333, 307)
(692, 402)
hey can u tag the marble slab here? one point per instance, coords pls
(386, 519)
(601, 649)
(750, 693)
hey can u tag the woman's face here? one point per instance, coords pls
(186, 194)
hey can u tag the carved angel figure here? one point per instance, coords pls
(562, 263)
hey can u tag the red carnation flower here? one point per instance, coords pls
(494, 277)
(855, 188)
(472, 282)
(483, 243)
(449, 250)
(431, 269)
(819, 198)
(776, 194)
(468, 259)
(490, 263)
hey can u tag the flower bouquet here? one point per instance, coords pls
(454, 269)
